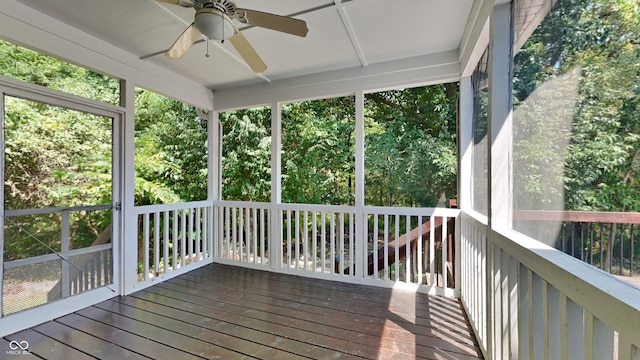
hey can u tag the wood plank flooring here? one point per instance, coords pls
(226, 312)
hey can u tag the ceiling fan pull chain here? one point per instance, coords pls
(207, 54)
(222, 25)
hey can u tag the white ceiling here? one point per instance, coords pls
(342, 34)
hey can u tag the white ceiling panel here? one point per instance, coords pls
(400, 29)
(342, 34)
(326, 46)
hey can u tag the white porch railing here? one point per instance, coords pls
(376, 245)
(526, 300)
(173, 239)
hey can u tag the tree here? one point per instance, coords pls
(246, 154)
(410, 155)
(318, 151)
(601, 39)
(171, 150)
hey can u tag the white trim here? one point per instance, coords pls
(64, 254)
(276, 153)
(476, 36)
(23, 212)
(117, 192)
(361, 221)
(500, 117)
(2, 200)
(213, 171)
(609, 299)
(359, 151)
(348, 27)
(420, 70)
(276, 185)
(141, 285)
(41, 314)
(28, 91)
(465, 144)
(149, 209)
(40, 94)
(129, 236)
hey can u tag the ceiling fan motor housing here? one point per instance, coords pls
(225, 6)
(214, 24)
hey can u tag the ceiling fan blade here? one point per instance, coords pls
(272, 21)
(183, 43)
(183, 3)
(247, 52)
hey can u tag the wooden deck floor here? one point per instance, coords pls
(229, 313)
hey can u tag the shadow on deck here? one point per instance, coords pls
(229, 312)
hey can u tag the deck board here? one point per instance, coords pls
(221, 311)
(48, 347)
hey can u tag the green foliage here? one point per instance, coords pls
(246, 154)
(171, 151)
(601, 165)
(30, 66)
(54, 157)
(410, 149)
(410, 156)
(318, 151)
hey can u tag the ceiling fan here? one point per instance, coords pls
(213, 18)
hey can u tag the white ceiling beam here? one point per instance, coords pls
(420, 70)
(475, 38)
(23, 25)
(348, 26)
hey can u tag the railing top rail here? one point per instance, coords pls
(389, 210)
(250, 204)
(54, 210)
(578, 216)
(607, 298)
(147, 209)
(380, 210)
(55, 256)
(317, 207)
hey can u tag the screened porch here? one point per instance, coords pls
(500, 266)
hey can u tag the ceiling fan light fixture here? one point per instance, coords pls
(214, 24)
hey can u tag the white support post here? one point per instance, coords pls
(499, 131)
(465, 145)
(500, 117)
(213, 179)
(361, 221)
(275, 234)
(128, 253)
(64, 248)
(2, 209)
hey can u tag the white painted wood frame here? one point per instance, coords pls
(31, 317)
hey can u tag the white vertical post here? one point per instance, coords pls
(360, 219)
(128, 237)
(2, 209)
(214, 170)
(554, 314)
(465, 144)
(64, 247)
(500, 117)
(275, 235)
(499, 131)
(165, 244)
(514, 315)
(604, 340)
